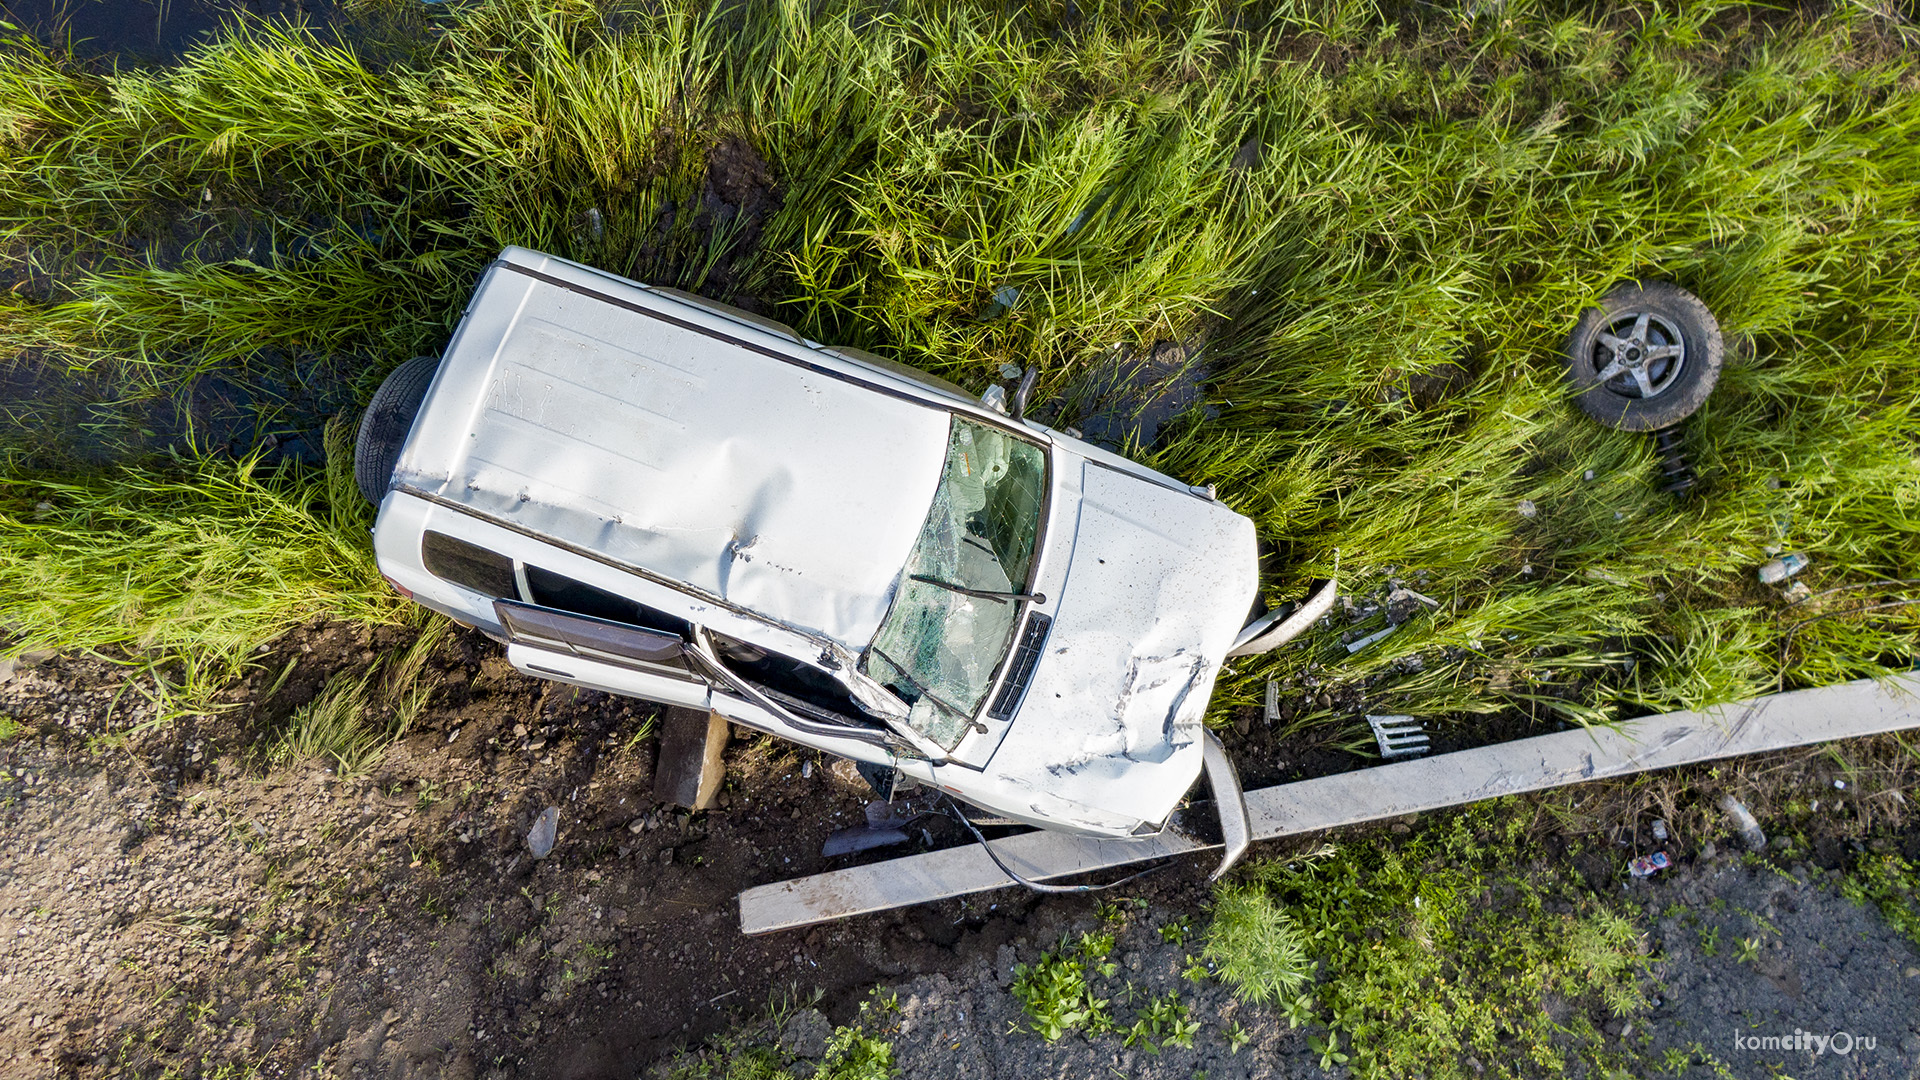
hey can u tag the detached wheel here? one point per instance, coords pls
(1646, 358)
(384, 426)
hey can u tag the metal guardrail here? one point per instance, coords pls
(1775, 722)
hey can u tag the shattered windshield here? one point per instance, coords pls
(959, 597)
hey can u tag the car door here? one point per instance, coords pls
(600, 654)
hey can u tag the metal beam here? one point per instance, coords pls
(1775, 722)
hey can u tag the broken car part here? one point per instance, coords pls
(1398, 736)
(1382, 634)
(1676, 476)
(1229, 803)
(1023, 392)
(1285, 623)
(1644, 360)
(1230, 807)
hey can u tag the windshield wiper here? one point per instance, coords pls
(961, 714)
(984, 594)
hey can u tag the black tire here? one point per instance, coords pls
(1646, 358)
(384, 426)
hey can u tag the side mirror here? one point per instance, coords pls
(1024, 391)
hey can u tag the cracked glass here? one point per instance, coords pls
(959, 597)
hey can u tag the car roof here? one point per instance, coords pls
(703, 451)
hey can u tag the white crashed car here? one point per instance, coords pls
(654, 495)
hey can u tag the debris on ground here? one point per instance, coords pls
(1646, 865)
(886, 826)
(1750, 835)
(1781, 567)
(545, 828)
(1378, 635)
(1398, 736)
(860, 838)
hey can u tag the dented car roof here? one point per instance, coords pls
(606, 416)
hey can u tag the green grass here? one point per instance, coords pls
(333, 728)
(1260, 952)
(361, 712)
(1462, 940)
(190, 565)
(1891, 884)
(1377, 221)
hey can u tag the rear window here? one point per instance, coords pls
(549, 589)
(486, 572)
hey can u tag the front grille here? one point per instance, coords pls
(1026, 656)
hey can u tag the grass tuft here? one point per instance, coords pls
(333, 728)
(1258, 949)
(355, 718)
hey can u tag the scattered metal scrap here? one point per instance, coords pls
(887, 825)
(1398, 736)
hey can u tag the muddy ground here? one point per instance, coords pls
(170, 900)
(174, 903)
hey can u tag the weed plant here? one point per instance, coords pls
(1259, 950)
(1055, 992)
(1891, 884)
(1446, 945)
(1372, 225)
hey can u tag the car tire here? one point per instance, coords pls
(1646, 358)
(384, 426)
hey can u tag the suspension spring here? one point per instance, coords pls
(1676, 475)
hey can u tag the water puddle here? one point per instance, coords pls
(1126, 399)
(56, 418)
(143, 30)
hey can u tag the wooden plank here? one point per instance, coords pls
(687, 771)
(1776, 722)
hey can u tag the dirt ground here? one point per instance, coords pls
(171, 904)
(167, 901)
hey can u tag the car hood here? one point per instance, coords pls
(1158, 585)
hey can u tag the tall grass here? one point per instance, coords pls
(190, 567)
(1375, 223)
